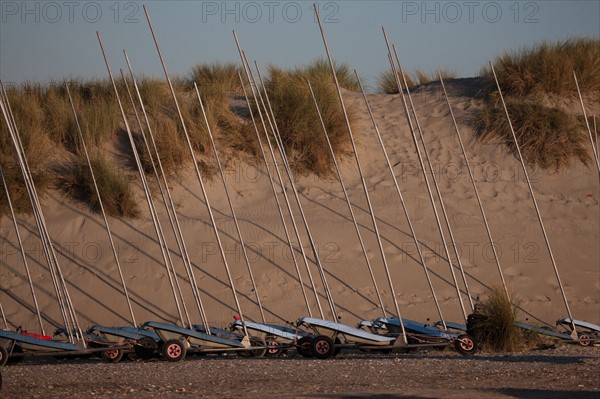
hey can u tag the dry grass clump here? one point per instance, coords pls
(495, 329)
(422, 77)
(218, 84)
(28, 113)
(171, 147)
(549, 138)
(217, 78)
(548, 68)
(75, 180)
(296, 117)
(320, 69)
(386, 83)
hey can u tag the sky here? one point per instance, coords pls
(42, 41)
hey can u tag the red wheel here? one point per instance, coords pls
(465, 345)
(112, 355)
(173, 350)
(584, 340)
(274, 349)
(323, 347)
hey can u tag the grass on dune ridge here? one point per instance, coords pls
(548, 68)
(550, 137)
(386, 82)
(296, 115)
(75, 181)
(48, 130)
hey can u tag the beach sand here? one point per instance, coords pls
(568, 203)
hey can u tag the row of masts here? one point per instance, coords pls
(267, 132)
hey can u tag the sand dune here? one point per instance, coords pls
(568, 202)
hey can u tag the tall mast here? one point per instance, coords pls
(199, 176)
(257, 95)
(422, 165)
(535, 204)
(177, 227)
(287, 234)
(232, 209)
(101, 203)
(347, 198)
(472, 178)
(401, 197)
(288, 169)
(23, 256)
(364, 184)
(156, 222)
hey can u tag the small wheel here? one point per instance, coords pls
(145, 348)
(173, 350)
(304, 347)
(337, 348)
(274, 349)
(3, 356)
(15, 359)
(323, 347)
(465, 345)
(584, 340)
(112, 355)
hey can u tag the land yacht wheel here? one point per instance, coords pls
(323, 347)
(304, 347)
(3, 356)
(173, 350)
(113, 355)
(146, 348)
(465, 345)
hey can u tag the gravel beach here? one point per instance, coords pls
(565, 372)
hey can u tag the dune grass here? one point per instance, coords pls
(548, 68)
(297, 120)
(386, 83)
(75, 181)
(422, 77)
(549, 137)
(496, 330)
(29, 117)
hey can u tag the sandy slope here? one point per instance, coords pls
(568, 202)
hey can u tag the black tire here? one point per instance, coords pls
(323, 347)
(465, 345)
(146, 348)
(3, 356)
(112, 355)
(304, 347)
(16, 359)
(337, 348)
(173, 350)
(584, 340)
